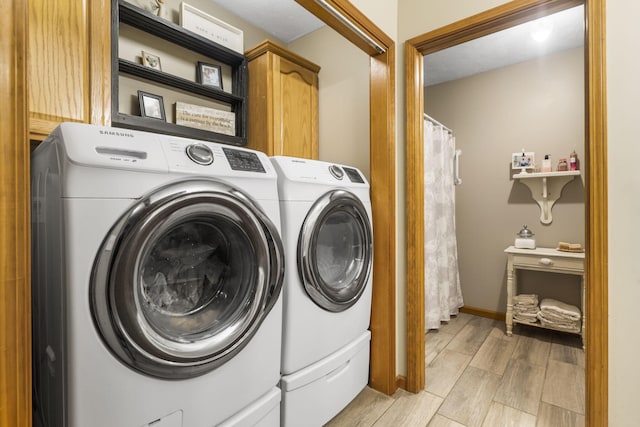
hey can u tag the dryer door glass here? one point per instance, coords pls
(335, 251)
(185, 279)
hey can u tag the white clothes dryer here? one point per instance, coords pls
(328, 242)
(157, 271)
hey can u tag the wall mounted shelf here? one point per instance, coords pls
(546, 188)
(235, 99)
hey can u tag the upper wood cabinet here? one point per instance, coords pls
(283, 102)
(68, 63)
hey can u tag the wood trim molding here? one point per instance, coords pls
(596, 236)
(15, 296)
(99, 62)
(356, 17)
(382, 376)
(493, 20)
(414, 217)
(489, 314)
(596, 270)
(270, 46)
(401, 382)
(383, 189)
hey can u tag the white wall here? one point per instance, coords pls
(383, 13)
(623, 92)
(343, 97)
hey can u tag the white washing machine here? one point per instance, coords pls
(328, 242)
(157, 271)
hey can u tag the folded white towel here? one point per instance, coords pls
(525, 319)
(558, 323)
(526, 308)
(552, 317)
(575, 327)
(528, 299)
(526, 313)
(559, 308)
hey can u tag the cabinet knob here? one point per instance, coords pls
(546, 261)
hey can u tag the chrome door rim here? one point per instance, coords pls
(116, 308)
(318, 290)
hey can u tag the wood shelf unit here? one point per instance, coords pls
(125, 13)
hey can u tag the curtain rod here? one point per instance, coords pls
(340, 17)
(435, 122)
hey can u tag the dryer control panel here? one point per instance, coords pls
(353, 174)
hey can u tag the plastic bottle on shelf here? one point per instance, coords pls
(573, 161)
(562, 165)
(546, 164)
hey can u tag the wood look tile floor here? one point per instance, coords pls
(476, 376)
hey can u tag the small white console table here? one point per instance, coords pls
(542, 259)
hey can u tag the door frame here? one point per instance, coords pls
(382, 157)
(15, 237)
(488, 22)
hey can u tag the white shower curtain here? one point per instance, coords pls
(443, 296)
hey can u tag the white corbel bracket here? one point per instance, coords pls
(546, 188)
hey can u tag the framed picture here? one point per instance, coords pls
(209, 75)
(150, 60)
(523, 160)
(151, 106)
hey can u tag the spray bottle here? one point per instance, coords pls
(573, 161)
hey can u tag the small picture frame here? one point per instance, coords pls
(523, 160)
(150, 60)
(209, 75)
(151, 106)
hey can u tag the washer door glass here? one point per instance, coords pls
(184, 280)
(193, 279)
(335, 251)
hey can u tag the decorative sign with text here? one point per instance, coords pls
(205, 118)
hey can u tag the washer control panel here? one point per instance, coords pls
(243, 160)
(200, 154)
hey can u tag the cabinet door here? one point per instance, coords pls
(298, 94)
(68, 63)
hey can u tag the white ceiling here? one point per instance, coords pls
(287, 20)
(506, 47)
